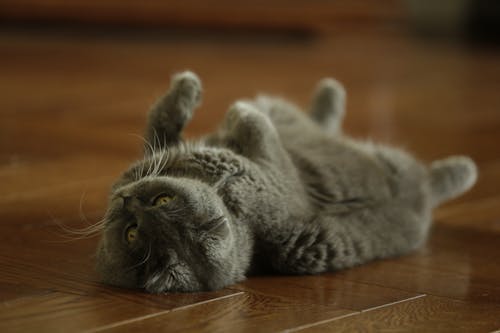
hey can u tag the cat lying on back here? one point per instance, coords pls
(273, 189)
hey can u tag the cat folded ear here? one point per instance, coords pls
(171, 113)
(218, 227)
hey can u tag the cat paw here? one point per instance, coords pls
(329, 88)
(328, 106)
(244, 117)
(248, 131)
(311, 260)
(307, 250)
(188, 87)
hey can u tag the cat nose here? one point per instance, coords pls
(126, 200)
(130, 202)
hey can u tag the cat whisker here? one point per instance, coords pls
(150, 161)
(157, 140)
(162, 162)
(141, 173)
(167, 158)
(136, 172)
(73, 233)
(147, 145)
(82, 214)
(148, 150)
(81, 233)
(154, 163)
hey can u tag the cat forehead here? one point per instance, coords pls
(149, 184)
(184, 156)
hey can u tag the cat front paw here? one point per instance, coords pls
(306, 250)
(311, 260)
(187, 86)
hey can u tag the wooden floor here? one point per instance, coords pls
(73, 103)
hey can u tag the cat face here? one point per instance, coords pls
(166, 234)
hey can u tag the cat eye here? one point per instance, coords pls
(162, 199)
(132, 233)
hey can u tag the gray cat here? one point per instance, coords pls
(273, 190)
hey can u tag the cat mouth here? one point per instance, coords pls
(170, 279)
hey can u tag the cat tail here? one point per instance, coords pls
(450, 177)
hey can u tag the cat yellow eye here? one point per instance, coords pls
(162, 199)
(132, 234)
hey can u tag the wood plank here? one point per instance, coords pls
(247, 312)
(60, 312)
(324, 289)
(481, 214)
(274, 303)
(456, 263)
(12, 291)
(424, 314)
(31, 178)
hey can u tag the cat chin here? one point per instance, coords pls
(166, 281)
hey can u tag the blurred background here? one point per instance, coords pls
(77, 78)
(472, 19)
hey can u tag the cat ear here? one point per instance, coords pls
(170, 114)
(218, 227)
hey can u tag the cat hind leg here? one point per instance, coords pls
(331, 243)
(250, 132)
(450, 177)
(328, 105)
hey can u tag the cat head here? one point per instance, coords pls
(166, 233)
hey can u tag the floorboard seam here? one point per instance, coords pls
(370, 283)
(321, 322)
(393, 303)
(156, 314)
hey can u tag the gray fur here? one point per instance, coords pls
(171, 113)
(328, 105)
(272, 189)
